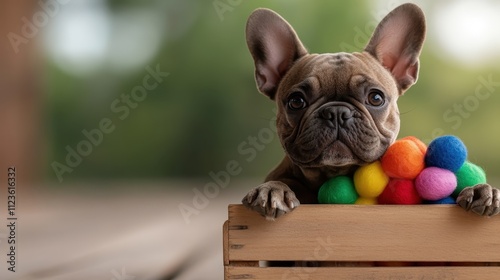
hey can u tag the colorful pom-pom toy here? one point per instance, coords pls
(338, 190)
(408, 173)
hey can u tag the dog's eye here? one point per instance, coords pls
(376, 98)
(296, 102)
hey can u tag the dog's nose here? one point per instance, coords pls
(336, 114)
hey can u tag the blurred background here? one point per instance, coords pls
(142, 103)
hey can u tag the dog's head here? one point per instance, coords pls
(336, 109)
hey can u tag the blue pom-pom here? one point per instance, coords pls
(447, 152)
(446, 200)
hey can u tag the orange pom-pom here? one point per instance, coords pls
(421, 145)
(404, 159)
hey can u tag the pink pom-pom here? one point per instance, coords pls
(435, 183)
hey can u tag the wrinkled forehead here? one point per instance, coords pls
(338, 70)
(332, 62)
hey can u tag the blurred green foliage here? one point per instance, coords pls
(196, 119)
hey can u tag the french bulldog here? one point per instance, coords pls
(336, 111)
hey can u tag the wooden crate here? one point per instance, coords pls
(363, 242)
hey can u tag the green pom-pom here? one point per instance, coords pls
(338, 190)
(467, 176)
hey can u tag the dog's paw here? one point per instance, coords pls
(481, 199)
(271, 199)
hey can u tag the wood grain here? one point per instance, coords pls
(361, 233)
(362, 273)
(225, 242)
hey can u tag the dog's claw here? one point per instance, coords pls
(481, 199)
(271, 199)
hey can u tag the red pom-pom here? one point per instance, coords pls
(404, 159)
(399, 191)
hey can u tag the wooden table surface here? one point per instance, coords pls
(132, 231)
(117, 231)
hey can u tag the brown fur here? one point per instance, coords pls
(337, 123)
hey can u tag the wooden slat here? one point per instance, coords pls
(346, 273)
(225, 242)
(432, 233)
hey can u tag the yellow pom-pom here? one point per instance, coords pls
(366, 201)
(370, 180)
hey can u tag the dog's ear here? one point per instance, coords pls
(274, 46)
(397, 42)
